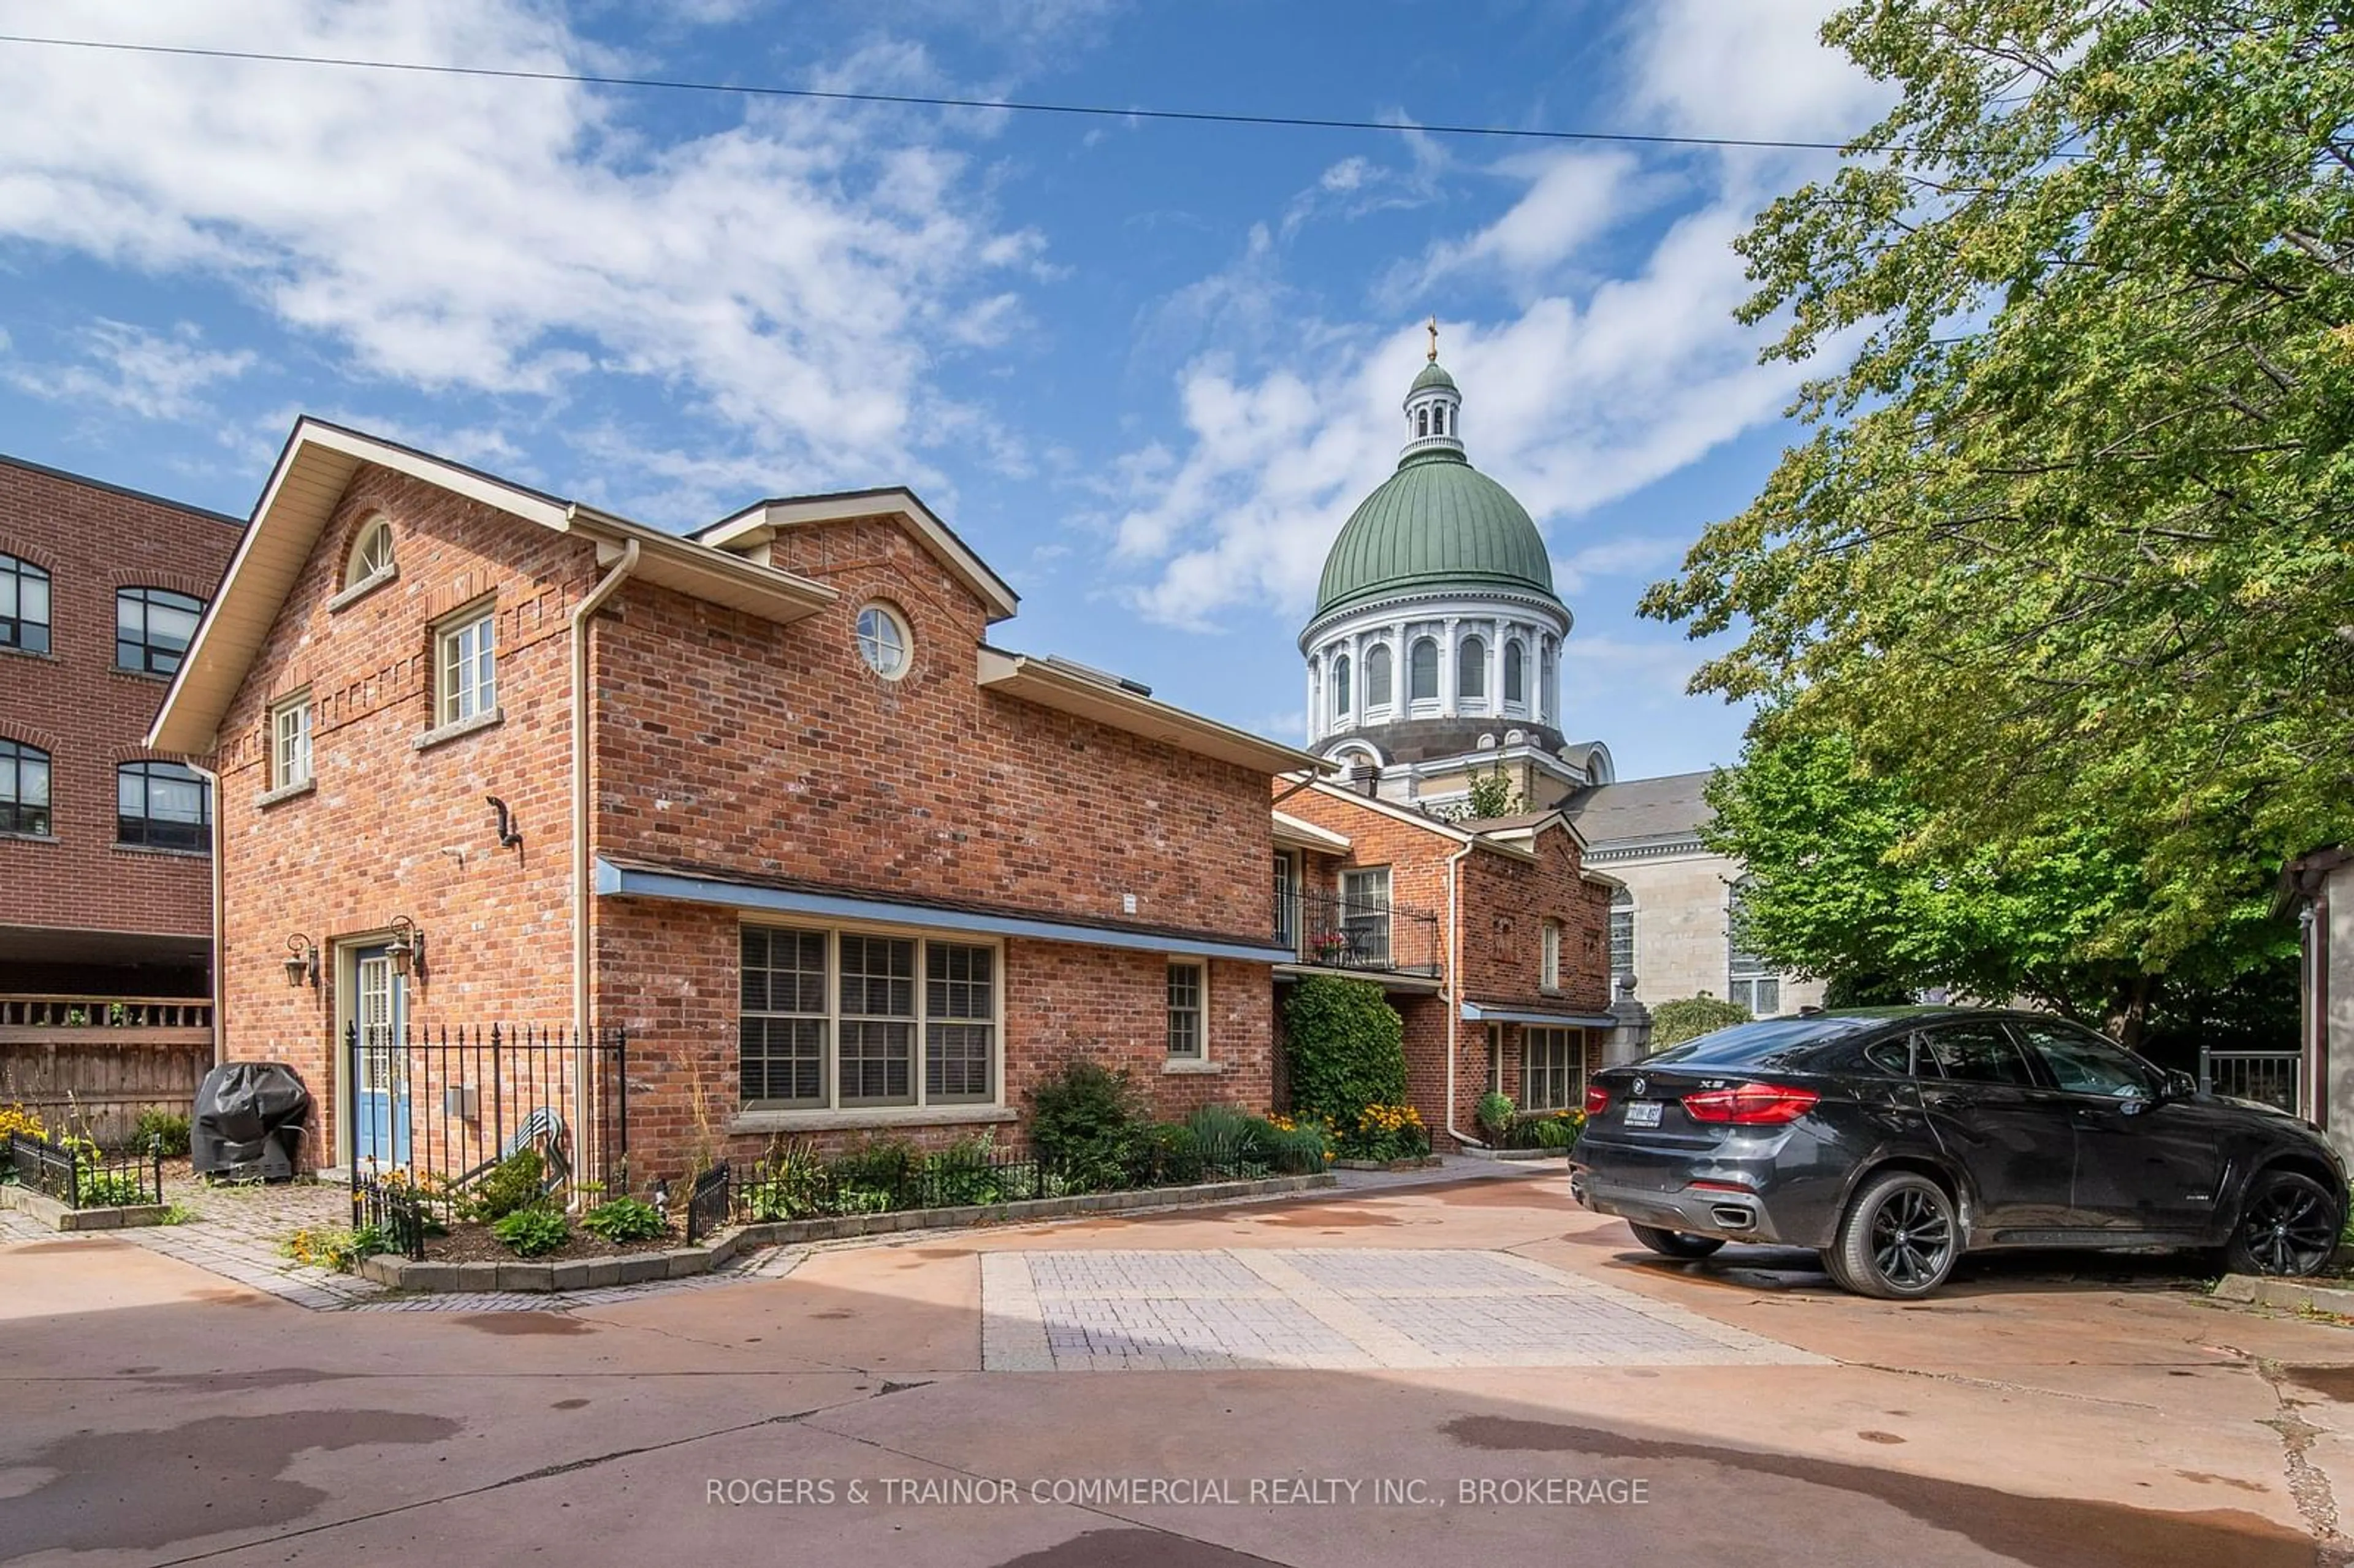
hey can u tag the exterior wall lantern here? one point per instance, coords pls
(407, 948)
(302, 960)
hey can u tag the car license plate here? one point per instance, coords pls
(1642, 1113)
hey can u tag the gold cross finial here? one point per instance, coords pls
(1433, 324)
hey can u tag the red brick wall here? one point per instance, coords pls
(728, 741)
(1506, 901)
(391, 829)
(76, 705)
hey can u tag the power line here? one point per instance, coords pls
(918, 100)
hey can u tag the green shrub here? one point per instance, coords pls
(962, 1174)
(1168, 1154)
(109, 1189)
(530, 1233)
(329, 1246)
(1345, 1048)
(619, 1220)
(1299, 1150)
(162, 1132)
(791, 1184)
(1689, 1017)
(1225, 1135)
(517, 1184)
(1086, 1125)
(1494, 1114)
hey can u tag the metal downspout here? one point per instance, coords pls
(1451, 995)
(583, 871)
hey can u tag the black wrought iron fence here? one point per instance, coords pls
(2267, 1076)
(1360, 933)
(709, 1203)
(435, 1109)
(80, 1176)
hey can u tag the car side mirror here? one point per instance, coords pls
(2176, 1085)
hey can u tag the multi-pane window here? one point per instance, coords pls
(1495, 1058)
(289, 743)
(1377, 676)
(1749, 980)
(23, 606)
(24, 789)
(151, 629)
(1286, 901)
(781, 1034)
(371, 555)
(468, 668)
(831, 1019)
(1622, 936)
(1549, 964)
(1422, 671)
(959, 1023)
(883, 642)
(162, 805)
(1471, 668)
(1366, 915)
(1187, 1022)
(1552, 1068)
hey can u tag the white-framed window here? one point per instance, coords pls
(1377, 676)
(371, 555)
(1552, 1068)
(1471, 669)
(836, 1020)
(1748, 979)
(1622, 936)
(883, 641)
(1286, 900)
(290, 742)
(1366, 915)
(1340, 688)
(1549, 955)
(1189, 1010)
(1495, 1058)
(466, 664)
(1422, 671)
(1516, 685)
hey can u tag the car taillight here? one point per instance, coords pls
(1597, 1102)
(1751, 1104)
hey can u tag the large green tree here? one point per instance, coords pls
(2069, 540)
(1844, 886)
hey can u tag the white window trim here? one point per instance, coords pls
(447, 713)
(1200, 1061)
(899, 623)
(284, 781)
(920, 1111)
(1573, 1067)
(1549, 955)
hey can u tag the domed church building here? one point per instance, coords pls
(1436, 642)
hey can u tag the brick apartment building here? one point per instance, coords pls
(1490, 937)
(768, 797)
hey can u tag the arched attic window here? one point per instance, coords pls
(371, 555)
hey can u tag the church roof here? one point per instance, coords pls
(1437, 522)
(1669, 807)
(1432, 376)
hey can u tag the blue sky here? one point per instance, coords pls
(1145, 369)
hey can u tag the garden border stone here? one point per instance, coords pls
(2321, 1294)
(64, 1217)
(1469, 1152)
(681, 1263)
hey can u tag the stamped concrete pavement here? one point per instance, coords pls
(2084, 1414)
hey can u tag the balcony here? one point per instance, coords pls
(1369, 934)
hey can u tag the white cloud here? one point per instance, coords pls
(1757, 69)
(156, 376)
(1628, 555)
(790, 278)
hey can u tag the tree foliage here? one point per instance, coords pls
(1345, 1047)
(2067, 551)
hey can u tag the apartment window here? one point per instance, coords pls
(1622, 936)
(1471, 668)
(1516, 685)
(1286, 901)
(468, 667)
(1189, 993)
(1366, 915)
(23, 606)
(24, 789)
(371, 555)
(1749, 980)
(289, 743)
(1549, 964)
(1422, 671)
(831, 1019)
(1377, 676)
(1552, 1068)
(162, 805)
(151, 629)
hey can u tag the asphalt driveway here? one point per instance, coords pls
(1466, 1370)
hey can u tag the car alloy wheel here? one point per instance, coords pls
(1899, 1238)
(2289, 1226)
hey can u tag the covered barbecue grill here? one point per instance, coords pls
(248, 1122)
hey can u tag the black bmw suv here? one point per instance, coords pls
(1893, 1140)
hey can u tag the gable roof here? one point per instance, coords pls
(1669, 807)
(761, 522)
(1117, 705)
(312, 474)
(1473, 834)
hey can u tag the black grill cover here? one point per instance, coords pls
(249, 1121)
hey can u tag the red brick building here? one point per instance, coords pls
(767, 798)
(1490, 937)
(105, 844)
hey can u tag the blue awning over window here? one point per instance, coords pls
(614, 881)
(1496, 1012)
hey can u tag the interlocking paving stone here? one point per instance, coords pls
(1176, 1310)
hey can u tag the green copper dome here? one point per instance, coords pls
(1432, 376)
(1437, 523)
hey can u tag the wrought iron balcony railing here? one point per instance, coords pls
(1333, 932)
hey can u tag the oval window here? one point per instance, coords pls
(883, 642)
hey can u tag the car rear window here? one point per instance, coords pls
(1767, 1043)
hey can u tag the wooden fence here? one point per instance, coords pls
(91, 1065)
